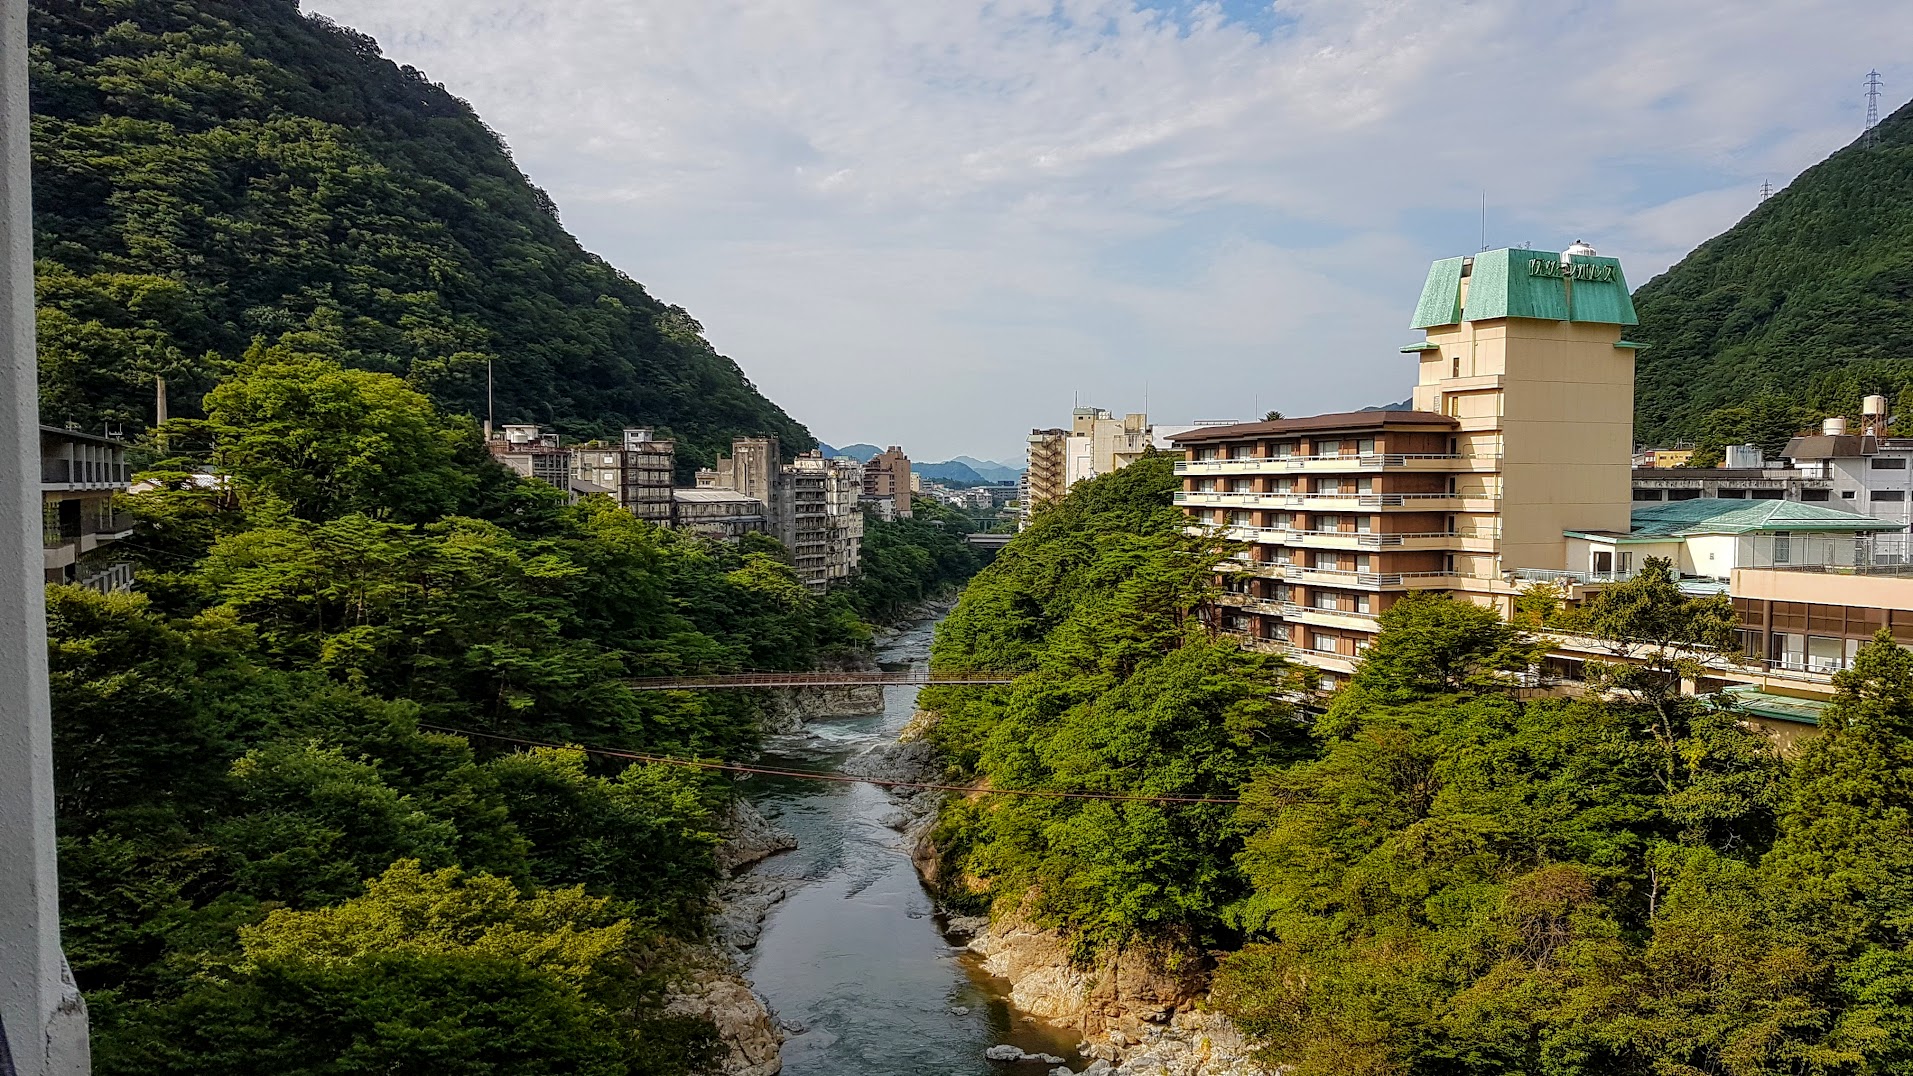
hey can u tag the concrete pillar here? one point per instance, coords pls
(40, 1009)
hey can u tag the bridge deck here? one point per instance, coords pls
(913, 677)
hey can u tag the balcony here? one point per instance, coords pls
(1347, 619)
(1335, 577)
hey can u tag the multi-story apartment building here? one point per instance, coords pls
(79, 474)
(1522, 430)
(1046, 471)
(886, 478)
(817, 516)
(637, 472)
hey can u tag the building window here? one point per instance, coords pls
(1366, 446)
(1324, 643)
(1815, 494)
(1887, 463)
(1647, 494)
(1846, 494)
(1893, 495)
(1326, 683)
(1454, 366)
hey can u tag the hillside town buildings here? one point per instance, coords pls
(810, 504)
(1515, 468)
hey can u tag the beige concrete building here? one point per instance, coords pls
(1099, 443)
(887, 478)
(1522, 430)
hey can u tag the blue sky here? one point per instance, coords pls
(938, 223)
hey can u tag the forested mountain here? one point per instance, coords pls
(211, 173)
(1795, 312)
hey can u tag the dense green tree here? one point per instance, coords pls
(1130, 694)
(1432, 644)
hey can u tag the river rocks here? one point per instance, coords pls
(788, 709)
(749, 837)
(966, 925)
(1195, 1044)
(1006, 1052)
(750, 1036)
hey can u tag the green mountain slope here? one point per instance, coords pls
(1798, 310)
(212, 173)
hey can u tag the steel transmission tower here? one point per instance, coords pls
(1766, 190)
(1873, 107)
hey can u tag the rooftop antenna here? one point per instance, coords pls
(1766, 190)
(1484, 218)
(1873, 107)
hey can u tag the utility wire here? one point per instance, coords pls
(841, 778)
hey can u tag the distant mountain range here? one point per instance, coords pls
(862, 453)
(965, 469)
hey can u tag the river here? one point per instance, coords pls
(854, 957)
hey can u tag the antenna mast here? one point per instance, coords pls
(1873, 107)
(1766, 190)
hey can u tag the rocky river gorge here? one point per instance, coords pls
(851, 968)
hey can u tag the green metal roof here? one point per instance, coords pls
(1633, 344)
(1441, 296)
(1719, 515)
(1516, 283)
(1750, 698)
(1423, 346)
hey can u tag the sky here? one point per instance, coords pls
(940, 223)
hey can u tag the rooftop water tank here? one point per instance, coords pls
(1834, 427)
(1744, 457)
(1873, 405)
(1579, 248)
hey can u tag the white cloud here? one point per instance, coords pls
(933, 223)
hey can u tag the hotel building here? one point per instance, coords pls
(1522, 430)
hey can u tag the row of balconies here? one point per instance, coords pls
(1464, 461)
(1331, 502)
(1439, 541)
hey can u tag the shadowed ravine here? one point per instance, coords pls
(854, 956)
